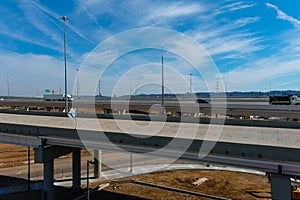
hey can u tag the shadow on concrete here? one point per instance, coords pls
(10, 181)
(12, 188)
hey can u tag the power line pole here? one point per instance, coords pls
(130, 86)
(190, 83)
(77, 84)
(99, 87)
(7, 79)
(217, 89)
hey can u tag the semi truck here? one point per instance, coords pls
(284, 100)
(57, 97)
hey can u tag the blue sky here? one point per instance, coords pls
(254, 44)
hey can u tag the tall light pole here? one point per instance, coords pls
(162, 84)
(64, 18)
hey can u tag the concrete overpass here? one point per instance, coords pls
(274, 150)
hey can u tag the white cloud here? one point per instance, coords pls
(235, 43)
(167, 11)
(245, 21)
(229, 38)
(147, 79)
(284, 16)
(234, 6)
(261, 73)
(56, 16)
(39, 20)
(29, 73)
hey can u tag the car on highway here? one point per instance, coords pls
(201, 100)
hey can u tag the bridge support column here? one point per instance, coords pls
(176, 114)
(76, 169)
(281, 187)
(48, 187)
(98, 162)
(47, 154)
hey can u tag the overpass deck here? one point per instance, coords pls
(274, 150)
(275, 137)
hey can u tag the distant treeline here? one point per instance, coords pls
(207, 94)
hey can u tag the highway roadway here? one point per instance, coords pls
(63, 167)
(235, 106)
(276, 137)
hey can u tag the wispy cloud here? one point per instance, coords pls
(262, 73)
(47, 30)
(282, 15)
(228, 39)
(239, 5)
(246, 21)
(39, 20)
(55, 16)
(279, 68)
(169, 11)
(21, 36)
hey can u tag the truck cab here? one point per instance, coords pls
(295, 100)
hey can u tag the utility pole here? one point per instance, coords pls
(28, 168)
(130, 86)
(190, 83)
(162, 85)
(7, 79)
(99, 87)
(64, 18)
(217, 89)
(77, 84)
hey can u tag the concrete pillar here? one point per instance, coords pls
(46, 155)
(177, 114)
(48, 187)
(281, 187)
(76, 169)
(97, 165)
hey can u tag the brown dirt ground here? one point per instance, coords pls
(234, 185)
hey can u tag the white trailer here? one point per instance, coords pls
(57, 97)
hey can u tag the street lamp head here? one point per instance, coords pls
(64, 18)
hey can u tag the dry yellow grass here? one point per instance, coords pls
(228, 184)
(16, 155)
